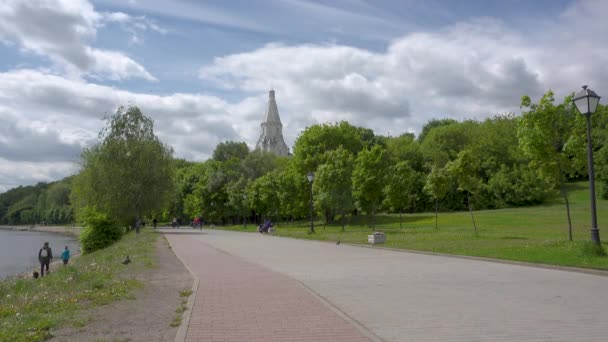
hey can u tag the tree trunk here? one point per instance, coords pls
(471, 211)
(562, 187)
(565, 194)
(436, 210)
(374, 217)
(342, 219)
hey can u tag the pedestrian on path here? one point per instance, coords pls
(45, 256)
(65, 256)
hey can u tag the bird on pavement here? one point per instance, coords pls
(337, 243)
(126, 261)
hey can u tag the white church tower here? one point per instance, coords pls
(271, 139)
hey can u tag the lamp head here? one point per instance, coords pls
(586, 101)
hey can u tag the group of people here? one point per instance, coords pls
(45, 256)
(198, 222)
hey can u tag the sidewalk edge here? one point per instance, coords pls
(183, 328)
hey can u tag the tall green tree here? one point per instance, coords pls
(230, 149)
(332, 184)
(129, 173)
(437, 185)
(369, 179)
(545, 131)
(400, 190)
(463, 170)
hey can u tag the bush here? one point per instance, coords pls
(98, 231)
(591, 249)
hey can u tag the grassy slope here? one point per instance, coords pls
(31, 308)
(534, 234)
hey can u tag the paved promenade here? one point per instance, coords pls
(401, 296)
(240, 301)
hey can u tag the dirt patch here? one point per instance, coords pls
(145, 318)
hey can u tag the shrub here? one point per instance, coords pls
(591, 249)
(98, 231)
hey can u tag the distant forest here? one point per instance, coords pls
(504, 161)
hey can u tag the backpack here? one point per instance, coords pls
(44, 253)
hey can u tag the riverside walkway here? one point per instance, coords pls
(378, 294)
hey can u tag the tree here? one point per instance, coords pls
(230, 149)
(369, 179)
(433, 123)
(129, 173)
(400, 190)
(544, 133)
(315, 140)
(437, 186)
(333, 184)
(463, 169)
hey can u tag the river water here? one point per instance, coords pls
(19, 250)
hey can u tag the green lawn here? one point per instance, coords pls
(536, 234)
(31, 308)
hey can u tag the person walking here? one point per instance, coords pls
(45, 256)
(155, 221)
(65, 256)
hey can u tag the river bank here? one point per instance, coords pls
(84, 301)
(19, 250)
(66, 230)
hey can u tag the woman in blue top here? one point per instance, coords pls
(65, 255)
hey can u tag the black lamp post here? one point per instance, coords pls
(586, 102)
(244, 211)
(311, 177)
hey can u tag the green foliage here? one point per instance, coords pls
(434, 123)
(333, 183)
(129, 174)
(369, 179)
(231, 149)
(402, 187)
(98, 230)
(314, 141)
(43, 202)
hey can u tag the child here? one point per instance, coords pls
(65, 256)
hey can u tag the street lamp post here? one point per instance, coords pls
(586, 102)
(311, 177)
(244, 211)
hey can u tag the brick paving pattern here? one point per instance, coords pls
(241, 301)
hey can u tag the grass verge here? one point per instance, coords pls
(179, 312)
(30, 309)
(536, 234)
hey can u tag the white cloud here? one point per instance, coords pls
(46, 119)
(474, 69)
(62, 31)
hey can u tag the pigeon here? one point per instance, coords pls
(126, 261)
(337, 243)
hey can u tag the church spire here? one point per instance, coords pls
(272, 112)
(271, 139)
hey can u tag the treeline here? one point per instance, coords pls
(500, 162)
(41, 203)
(504, 161)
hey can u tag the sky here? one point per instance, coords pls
(202, 69)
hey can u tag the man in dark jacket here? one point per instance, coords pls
(45, 256)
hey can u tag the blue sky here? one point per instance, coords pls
(202, 69)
